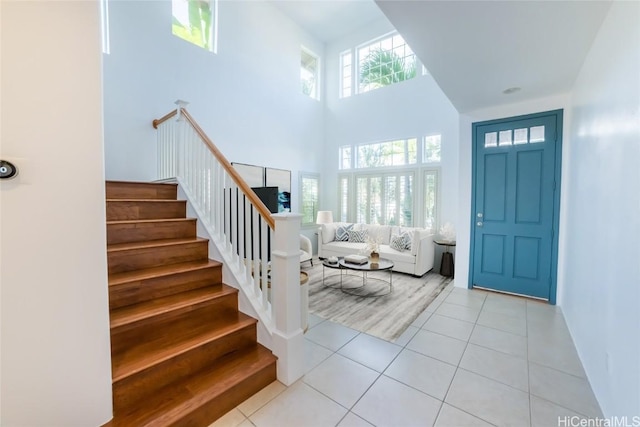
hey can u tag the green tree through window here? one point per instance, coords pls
(193, 21)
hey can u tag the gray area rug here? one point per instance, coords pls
(385, 317)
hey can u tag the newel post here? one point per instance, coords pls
(288, 338)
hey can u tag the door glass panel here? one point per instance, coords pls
(536, 134)
(491, 139)
(520, 136)
(505, 137)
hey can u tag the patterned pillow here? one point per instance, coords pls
(398, 243)
(402, 241)
(357, 236)
(342, 232)
(408, 238)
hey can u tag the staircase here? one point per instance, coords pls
(182, 354)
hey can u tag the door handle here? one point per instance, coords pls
(479, 223)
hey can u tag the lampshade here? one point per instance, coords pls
(324, 217)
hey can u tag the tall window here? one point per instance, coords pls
(309, 69)
(430, 196)
(196, 22)
(343, 194)
(309, 184)
(378, 63)
(346, 71)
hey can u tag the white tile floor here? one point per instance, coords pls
(473, 358)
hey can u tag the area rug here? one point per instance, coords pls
(385, 317)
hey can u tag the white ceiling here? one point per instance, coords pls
(474, 49)
(329, 20)
(477, 49)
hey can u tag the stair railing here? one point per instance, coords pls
(261, 250)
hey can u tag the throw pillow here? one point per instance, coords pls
(342, 232)
(408, 237)
(398, 243)
(357, 236)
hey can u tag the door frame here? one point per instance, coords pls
(558, 114)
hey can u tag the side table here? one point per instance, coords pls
(446, 265)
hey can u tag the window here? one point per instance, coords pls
(385, 199)
(391, 182)
(378, 63)
(309, 66)
(196, 22)
(346, 73)
(343, 194)
(309, 184)
(345, 157)
(389, 153)
(430, 196)
(431, 149)
(104, 26)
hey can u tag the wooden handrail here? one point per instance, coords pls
(163, 119)
(251, 195)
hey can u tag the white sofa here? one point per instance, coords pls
(417, 260)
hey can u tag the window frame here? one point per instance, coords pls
(355, 65)
(348, 209)
(310, 176)
(213, 5)
(316, 93)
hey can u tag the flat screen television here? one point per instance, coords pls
(269, 196)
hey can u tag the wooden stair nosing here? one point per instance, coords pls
(163, 270)
(173, 403)
(117, 247)
(171, 304)
(127, 364)
(149, 221)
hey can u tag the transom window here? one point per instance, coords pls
(532, 135)
(378, 63)
(196, 22)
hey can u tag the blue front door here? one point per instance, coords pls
(515, 204)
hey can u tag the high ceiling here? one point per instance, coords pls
(329, 20)
(475, 49)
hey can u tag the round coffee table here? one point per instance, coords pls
(383, 264)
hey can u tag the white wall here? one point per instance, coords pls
(463, 193)
(247, 97)
(413, 108)
(601, 293)
(55, 353)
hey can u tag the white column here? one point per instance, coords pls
(288, 339)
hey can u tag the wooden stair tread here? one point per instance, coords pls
(152, 244)
(163, 270)
(170, 404)
(134, 183)
(152, 353)
(146, 200)
(145, 310)
(149, 221)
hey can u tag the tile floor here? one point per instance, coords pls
(473, 358)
